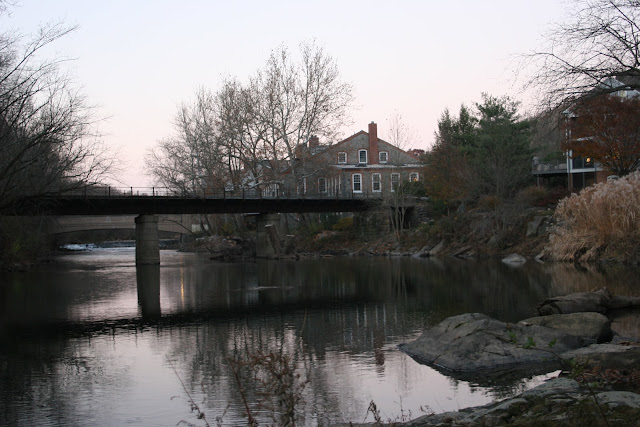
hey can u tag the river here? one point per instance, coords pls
(88, 339)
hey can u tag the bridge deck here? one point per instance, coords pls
(163, 205)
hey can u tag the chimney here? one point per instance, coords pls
(373, 143)
(314, 141)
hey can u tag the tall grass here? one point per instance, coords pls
(600, 221)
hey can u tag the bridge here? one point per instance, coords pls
(73, 223)
(144, 204)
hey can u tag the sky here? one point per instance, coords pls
(137, 61)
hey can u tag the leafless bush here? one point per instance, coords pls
(277, 385)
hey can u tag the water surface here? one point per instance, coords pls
(91, 340)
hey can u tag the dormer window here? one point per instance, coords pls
(342, 157)
(362, 156)
(383, 157)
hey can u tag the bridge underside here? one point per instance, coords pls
(147, 209)
(72, 223)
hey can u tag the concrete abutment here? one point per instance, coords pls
(147, 244)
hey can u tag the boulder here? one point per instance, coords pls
(560, 401)
(514, 259)
(476, 342)
(593, 327)
(535, 227)
(436, 249)
(422, 253)
(606, 356)
(597, 301)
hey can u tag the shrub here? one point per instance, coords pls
(343, 224)
(602, 217)
(488, 202)
(541, 196)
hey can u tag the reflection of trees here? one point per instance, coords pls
(324, 314)
(47, 381)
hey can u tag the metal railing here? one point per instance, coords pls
(217, 193)
(558, 166)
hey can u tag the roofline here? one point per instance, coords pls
(362, 132)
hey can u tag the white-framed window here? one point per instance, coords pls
(383, 157)
(413, 177)
(395, 181)
(302, 188)
(356, 179)
(362, 156)
(322, 185)
(375, 183)
(342, 157)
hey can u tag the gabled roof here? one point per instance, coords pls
(630, 79)
(362, 132)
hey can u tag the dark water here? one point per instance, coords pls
(90, 340)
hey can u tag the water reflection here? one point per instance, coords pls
(87, 340)
(148, 281)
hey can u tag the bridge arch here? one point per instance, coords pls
(72, 223)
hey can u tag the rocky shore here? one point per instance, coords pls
(600, 370)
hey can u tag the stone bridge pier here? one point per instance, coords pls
(147, 243)
(268, 240)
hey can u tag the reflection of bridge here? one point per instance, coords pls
(143, 205)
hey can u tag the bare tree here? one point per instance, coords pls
(48, 142)
(601, 40)
(298, 100)
(251, 134)
(401, 136)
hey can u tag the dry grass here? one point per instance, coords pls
(600, 221)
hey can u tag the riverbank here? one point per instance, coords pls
(477, 233)
(599, 381)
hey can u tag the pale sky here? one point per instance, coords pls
(138, 60)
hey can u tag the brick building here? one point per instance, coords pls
(361, 164)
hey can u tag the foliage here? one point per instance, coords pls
(600, 39)
(488, 202)
(607, 129)
(343, 224)
(605, 216)
(485, 151)
(501, 155)
(19, 242)
(540, 196)
(447, 174)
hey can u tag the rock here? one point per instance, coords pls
(422, 253)
(476, 342)
(437, 249)
(617, 302)
(464, 252)
(514, 259)
(606, 356)
(578, 302)
(591, 326)
(559, 401)
(615, 399)
(534, 225)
